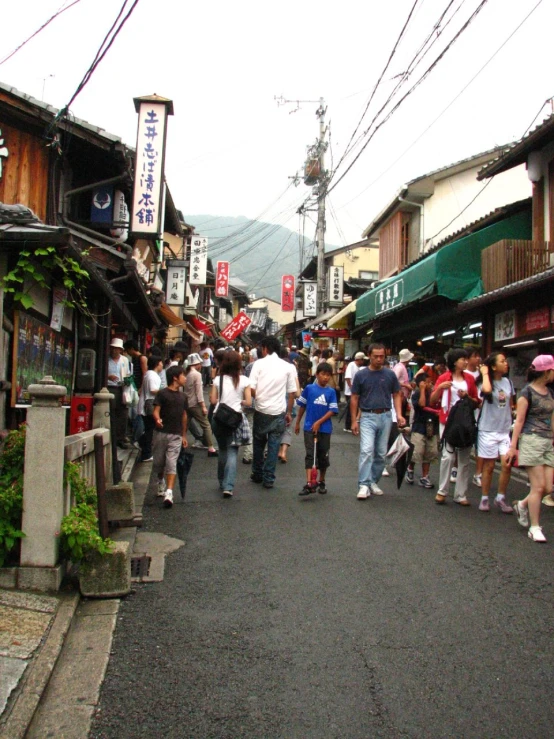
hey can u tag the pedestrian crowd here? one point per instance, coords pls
(447, 409)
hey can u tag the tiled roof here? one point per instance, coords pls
(517, 152)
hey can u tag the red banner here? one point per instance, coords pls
(287, 293)
(236, 327)
(222, 280)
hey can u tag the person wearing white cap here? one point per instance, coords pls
(401, 371)
(118, 370)
(349, 375)
(196, 405)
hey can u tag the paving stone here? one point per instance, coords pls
(91, 634)
(61, 723)
(30, 601)
(98, 607)
(21, 631)
(11, 670)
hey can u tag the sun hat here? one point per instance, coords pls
(360, 355)
(405, 355)
(117, 343)
(193, 359)
(543, 363)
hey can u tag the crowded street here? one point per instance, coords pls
(329, 616)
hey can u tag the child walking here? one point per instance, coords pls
(319, 403)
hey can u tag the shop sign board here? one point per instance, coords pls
(306, 339)
(222, 280)
(335, 286)
(537, 320)
(175, 289)
(198, 260)
(287, 293)
(505, 325)
(389, 297)
(239, 323)
(310, 299)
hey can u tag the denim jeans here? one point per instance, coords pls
(266, 430)
(374, 436)
(227, 460)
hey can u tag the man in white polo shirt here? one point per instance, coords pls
(273, 385)
(349, 375)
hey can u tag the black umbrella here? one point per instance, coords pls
(184, 463)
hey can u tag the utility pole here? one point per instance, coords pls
(315, 174)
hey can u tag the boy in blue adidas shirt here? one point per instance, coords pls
(319, 402)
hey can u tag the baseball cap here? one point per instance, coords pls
(543, 363)
(359, 355)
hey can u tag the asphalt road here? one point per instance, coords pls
(332, 617)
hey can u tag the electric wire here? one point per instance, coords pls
(61, 10)
(409, 92)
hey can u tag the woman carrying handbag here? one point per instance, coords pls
(230, 393)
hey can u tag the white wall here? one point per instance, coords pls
(454, 193)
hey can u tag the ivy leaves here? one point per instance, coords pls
(34, 265)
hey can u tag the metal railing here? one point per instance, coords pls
(512, 260)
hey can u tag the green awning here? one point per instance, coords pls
(453, 272)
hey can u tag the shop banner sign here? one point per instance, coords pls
(239, 323)
(148, 187)
(287, 293)
(389, 297)
(335, 286)
(59, 296)
(222, 280)
(198, 260)
(175, 289)
(537, 320)
(505, 325)
(310, 299)
(306, 339)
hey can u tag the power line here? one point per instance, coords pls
(409, 92)
(443, 111)
(32, 36)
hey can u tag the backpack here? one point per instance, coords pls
(460, 430)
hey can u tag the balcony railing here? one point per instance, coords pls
(511, 260)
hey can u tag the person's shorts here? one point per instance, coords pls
(166, 450)
(535, 450)
(322, 454)
(491, 445)
(425, 449)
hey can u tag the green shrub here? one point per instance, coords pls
(11, 493)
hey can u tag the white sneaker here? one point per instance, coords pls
(161, 488)
(548, 500)
(197, 445)
(535, 533)
(454, 474)
(477, 481)
(363, 492)
(386, 473)
(375, 489)
(227, 494)
(168, 499)
(522, 513)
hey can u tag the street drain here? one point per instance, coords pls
(140, 566)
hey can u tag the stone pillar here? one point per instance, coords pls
(101, 420)
(43, 487)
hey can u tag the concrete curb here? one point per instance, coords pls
(40, 670)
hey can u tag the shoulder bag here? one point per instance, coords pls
(225, 415)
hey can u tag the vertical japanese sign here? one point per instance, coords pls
(148, 188)
(239, 323)
(59, 296)
(287, 293)
(222, 280)
(310, 299)
(198, 260)
(335, 285)
(175, 290)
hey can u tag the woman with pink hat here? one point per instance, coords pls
(533, 430)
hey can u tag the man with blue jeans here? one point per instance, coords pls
(372, 390)
(273, 385)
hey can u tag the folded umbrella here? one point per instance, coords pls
(184, 463)
(399, 456)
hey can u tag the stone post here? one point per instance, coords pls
(101, 420)
(43, 487)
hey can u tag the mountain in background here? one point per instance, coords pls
(259, 253)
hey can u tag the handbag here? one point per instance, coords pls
(149, 407)
(225, 415)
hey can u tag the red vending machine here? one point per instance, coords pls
(80, 418)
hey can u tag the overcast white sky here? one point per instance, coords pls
(231, 148)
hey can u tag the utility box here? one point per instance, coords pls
(80, 418)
